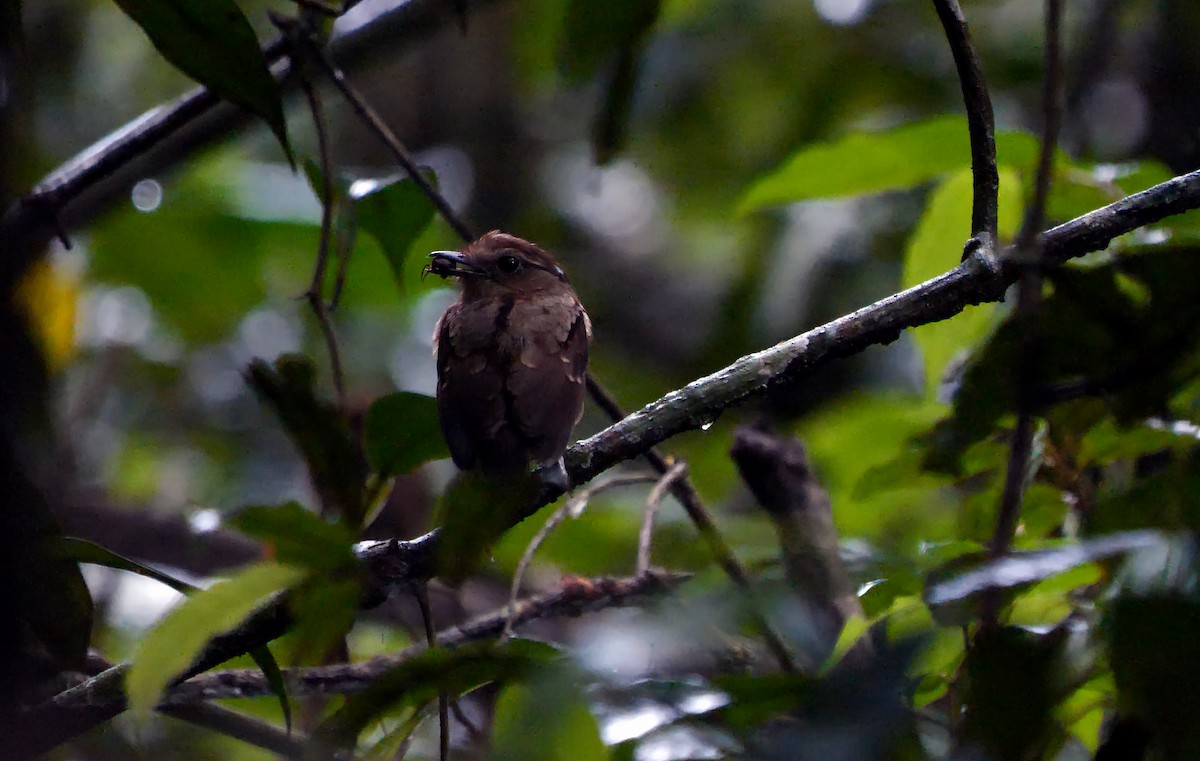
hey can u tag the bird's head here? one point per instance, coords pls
(499, 264)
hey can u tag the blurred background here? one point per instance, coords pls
(177, 278)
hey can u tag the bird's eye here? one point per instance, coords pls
(508, 264)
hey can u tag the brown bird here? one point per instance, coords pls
(511, 356)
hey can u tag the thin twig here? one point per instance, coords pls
(99, 176)
(316, 287)
(399, 152)
(646, 537)
(573, 507)
(980, 120)
(331, 345)
(339, 282)
(1029, 253)
(421, 592)
(571, 598)
(461, 716)
(1035, 215)
(707, 527)
(239, 726)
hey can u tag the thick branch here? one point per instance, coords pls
(972, 282)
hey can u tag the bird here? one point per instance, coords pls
(512, 354)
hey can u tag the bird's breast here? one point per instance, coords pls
(512, 326)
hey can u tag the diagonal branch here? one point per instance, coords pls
(976, 280)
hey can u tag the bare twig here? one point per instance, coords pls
(646, 538)
(573, 507)
(421, 592)
(325, 321)
(705, 525)
(316, 287)
(240, 727)
(399, 152)
(1028, 256)
(980, 121)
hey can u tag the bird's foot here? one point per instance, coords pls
(554, 474)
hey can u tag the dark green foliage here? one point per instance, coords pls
(474, 512)
(1111, 331)
(421, 679)
(335, 462)
(594, 32)
(1014, 679)
(401, 432)
(212, 42)
(299, 537)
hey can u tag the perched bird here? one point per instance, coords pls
(511, 356)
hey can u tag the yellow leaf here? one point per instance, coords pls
(49, 294)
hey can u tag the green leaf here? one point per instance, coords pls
(1036, 565)
(53, 600)
(933, 248)
(880, 427)
(1013, 683)
(1152, 644)
(422, 678)
(265, 660)
(212, 42)
(318, 430)
(1165, 499)
(1111, 330)
(298, 536)
(546, 719)
(323, 611)
(473, 513)
(83, 551)
(173, 645)
(871, 162)
(394, 212)
(594, 31)
(853, 630)
(864, 693)
(401, 432)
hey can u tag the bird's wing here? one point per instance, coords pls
(470, 388)
(546, 381)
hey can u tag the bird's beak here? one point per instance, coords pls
(451, 264)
